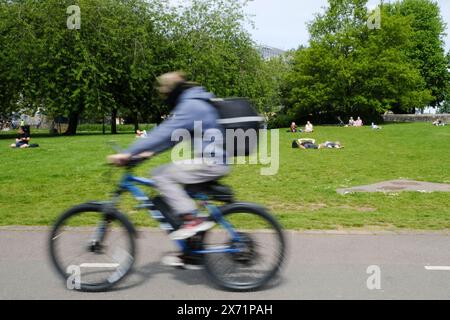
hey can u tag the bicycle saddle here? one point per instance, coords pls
(213, 189)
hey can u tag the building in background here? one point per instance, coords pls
(269, 52)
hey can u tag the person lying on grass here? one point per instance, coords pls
(305, 144)
(331, 145)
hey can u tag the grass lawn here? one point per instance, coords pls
(38, 184)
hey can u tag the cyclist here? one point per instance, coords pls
(189, 105)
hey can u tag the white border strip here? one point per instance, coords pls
(437, 268)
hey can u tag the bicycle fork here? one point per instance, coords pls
(99, 236)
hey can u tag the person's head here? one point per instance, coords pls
(169, 81)
(359, 118)
(172, 85)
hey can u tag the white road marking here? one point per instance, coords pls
(99, 265)
(437, 268)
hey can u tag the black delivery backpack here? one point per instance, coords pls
(235, 114)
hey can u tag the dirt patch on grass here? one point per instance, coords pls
(398, 185)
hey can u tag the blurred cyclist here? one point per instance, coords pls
(189, 104)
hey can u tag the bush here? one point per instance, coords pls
(280, 121)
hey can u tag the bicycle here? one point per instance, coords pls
(230, 254)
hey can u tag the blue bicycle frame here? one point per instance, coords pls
(128, 184)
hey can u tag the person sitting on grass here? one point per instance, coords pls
(141, 133)
(358, 122)
(293, 127)
(331, 145)
(351, 122)
(309, 127)
(23, 139)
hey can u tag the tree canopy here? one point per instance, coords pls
(109, 65)
(349, 69)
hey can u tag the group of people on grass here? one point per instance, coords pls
(355, 123)
(311, 143)
(308, 128)
(306, 143)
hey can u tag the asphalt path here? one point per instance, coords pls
(319, 265)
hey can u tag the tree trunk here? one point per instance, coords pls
(113, 121)
(73, 124)
(136, 122)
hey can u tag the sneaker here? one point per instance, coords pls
(183, 262)
(191, 228)
(172, 261)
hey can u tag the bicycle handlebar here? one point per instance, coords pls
(135, 161)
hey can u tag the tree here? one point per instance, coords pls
(349, 69)
(212, 46)
(102, 67)
(445, 106)
(273, 73)
(427, 43)
(9, 60)
(108, 67)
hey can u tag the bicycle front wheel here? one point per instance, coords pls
(91, 249)
(250, 260)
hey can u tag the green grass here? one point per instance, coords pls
(36, 185)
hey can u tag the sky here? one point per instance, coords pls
(282, 23)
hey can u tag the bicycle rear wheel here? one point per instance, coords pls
(92, 249)
(261, 247)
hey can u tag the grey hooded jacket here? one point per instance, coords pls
(191, 109)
